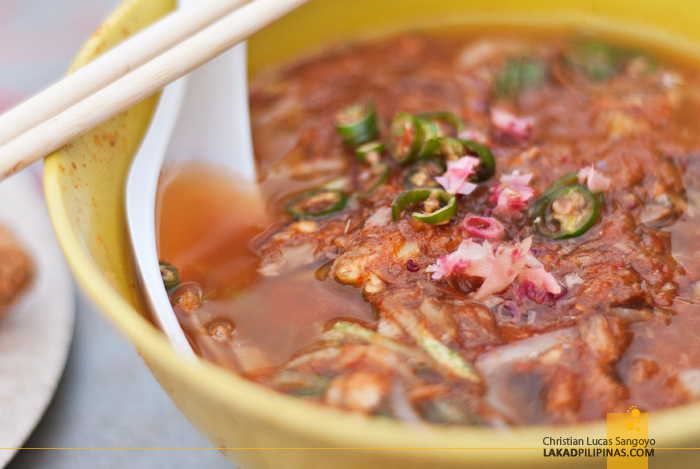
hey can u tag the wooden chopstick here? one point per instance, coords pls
(107, 68)
(137, 85)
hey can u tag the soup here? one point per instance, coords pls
(453, 230)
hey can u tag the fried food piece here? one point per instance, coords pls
(16, 271)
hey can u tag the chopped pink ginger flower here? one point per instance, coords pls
(474, 136)
(498, 268)
(516, 179)
(484, 227)
(541, 279)
(470, 258)
(533, 262)
(511, 126)
(595, 181)
(508, 262)
(512, 194)
(455, 179)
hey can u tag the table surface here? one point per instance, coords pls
(107, 397)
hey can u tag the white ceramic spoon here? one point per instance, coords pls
(204, 116)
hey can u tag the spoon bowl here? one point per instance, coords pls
(203, 116)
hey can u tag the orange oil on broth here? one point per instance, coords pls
(206, 221)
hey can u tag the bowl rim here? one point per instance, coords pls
(312, 420)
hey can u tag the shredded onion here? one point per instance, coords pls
(523, 350)
(381, 217)
(400, 405)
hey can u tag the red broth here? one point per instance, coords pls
(210, 220)
(334, 308)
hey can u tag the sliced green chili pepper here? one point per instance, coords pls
(406, 137)
(598, 61)
(429, 144)
(567, 212)
(439, 215)
(441, 117)
(487, 164)
(369, 151)
(379, 174)
(357, 124)
(298, 383)
(422, 174)
(316, 203)
(170, 274)
(451, 149)
(519, 74)
(566, 180)
(569, 180)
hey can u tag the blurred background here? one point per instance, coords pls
(107, 398)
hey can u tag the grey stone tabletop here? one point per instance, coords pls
(107, 397)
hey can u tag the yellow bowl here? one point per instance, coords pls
(257, 427)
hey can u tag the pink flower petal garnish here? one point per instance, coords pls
(480, 258)
(541, 279)
(536, 283)
(498, 269)
(595, 181)
(512, 201)
(512, 194)
(509, 260)
(484, 227)
(455, 178)
(470, 258)
(533, 262)
(516, 179)
(474, 136)
(511, 126)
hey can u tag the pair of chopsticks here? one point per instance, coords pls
(126, 75)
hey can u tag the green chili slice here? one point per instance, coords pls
(566, 212)
(316, 203)
(422, 174)
(566, 180)
(378, 175)
(429, 144)
(444, 117)
(569, 180)
(369, 153)
(357, 124)
(170, 274)
(487, 163)
(298, 383)
(432, 199)
(406, 137)
(517, 75)
(598, 61)
(451, 149)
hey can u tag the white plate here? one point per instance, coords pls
(35, 338)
